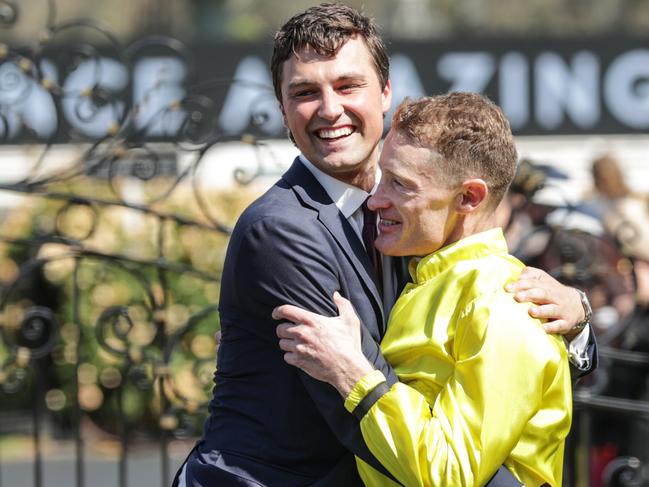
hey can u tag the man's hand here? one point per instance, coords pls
(328, 349)
(559, 304)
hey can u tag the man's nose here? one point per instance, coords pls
(330, 106)
(378, 201)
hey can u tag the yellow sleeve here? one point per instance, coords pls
(465, 434)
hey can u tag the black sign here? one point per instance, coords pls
(554, 87)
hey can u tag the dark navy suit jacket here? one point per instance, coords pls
(271, 424)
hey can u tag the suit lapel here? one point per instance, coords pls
(313, 195)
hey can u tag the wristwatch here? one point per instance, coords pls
(588, 311)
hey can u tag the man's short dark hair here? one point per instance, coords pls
(469, 131)
(326, 28)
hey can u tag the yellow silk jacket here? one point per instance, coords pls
(482, 384)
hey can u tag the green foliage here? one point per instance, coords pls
(134, 294)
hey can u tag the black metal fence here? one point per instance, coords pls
(111, 248)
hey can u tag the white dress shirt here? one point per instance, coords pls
(347, 198)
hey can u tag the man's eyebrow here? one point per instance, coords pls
(299, 83)
(351, 76)
(401, 175)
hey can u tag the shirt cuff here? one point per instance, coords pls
(578, 349)
(362, 388)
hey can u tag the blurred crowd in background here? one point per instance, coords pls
(599, 243)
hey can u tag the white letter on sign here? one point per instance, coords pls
(626, 88)
(561, 89)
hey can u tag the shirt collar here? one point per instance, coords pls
(472, 247)
(346, 197)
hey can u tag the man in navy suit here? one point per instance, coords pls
(270, 424)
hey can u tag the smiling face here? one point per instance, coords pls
(334, 106)
(418, 210)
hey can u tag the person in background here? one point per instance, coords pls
(625, 213)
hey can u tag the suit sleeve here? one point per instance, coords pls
(285, 261)
(468, 430)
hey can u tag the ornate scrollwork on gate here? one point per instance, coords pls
(112, 245)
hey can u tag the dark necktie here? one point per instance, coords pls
(369, 236)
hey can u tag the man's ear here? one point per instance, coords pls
(386, 97)
(281, 109)
(474, 194)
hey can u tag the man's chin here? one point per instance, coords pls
(391, 250)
